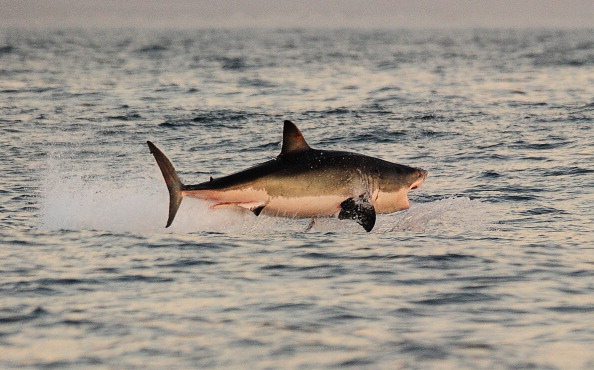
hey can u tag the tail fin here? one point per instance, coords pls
(174, 184)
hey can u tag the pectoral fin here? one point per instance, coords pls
(359, 209)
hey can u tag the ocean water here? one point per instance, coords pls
(492, 267)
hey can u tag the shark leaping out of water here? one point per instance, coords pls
(303, 182)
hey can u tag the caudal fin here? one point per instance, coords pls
(174, 184)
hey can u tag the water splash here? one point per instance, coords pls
(76, 203)
(460, 213)
(140, 205)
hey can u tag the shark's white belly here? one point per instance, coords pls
(297, 206)
(302, 207)
(292, 207)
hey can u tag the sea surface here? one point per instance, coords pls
(492, 267)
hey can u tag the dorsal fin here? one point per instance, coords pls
(293, 141)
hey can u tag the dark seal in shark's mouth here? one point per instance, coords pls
(303, 182)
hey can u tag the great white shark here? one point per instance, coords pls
(302, 182)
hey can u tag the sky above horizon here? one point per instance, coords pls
(297, 14)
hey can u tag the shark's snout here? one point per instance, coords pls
(420, 177)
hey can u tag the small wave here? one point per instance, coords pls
(490, 174)
(542, 211)
(377, 136)
(188, 262)
(213, 119)
(565, 171)
(255, 82)
(125, 117)
(142, 278)
(7, 49)
(572, 309)
(232, 63)
(65, 281)
(10, 316)
(154, 48)
(456, 298)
